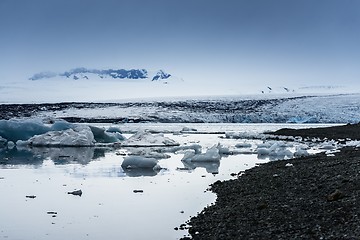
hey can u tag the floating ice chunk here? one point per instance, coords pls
(328, 145)
(223, 150)
(144, 139)
(188, 129)
(211, 167)
(195, 147)
(10, 144)
(101, 136)
(114, 130)
(263, 151)
(301, 153)
(211, 155)
(348, 144)
(2, 142)
(148, 153)
(14, 130)
(79, 136)
(264, 145)
(60, 125)
(139, 162)
(243, 145)
(302, 147)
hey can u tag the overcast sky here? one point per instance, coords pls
(236, 41)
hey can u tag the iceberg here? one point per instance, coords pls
(211, 155)
(14, 130)
(195, 147)
(79, 136)
(146, 139)
(2, 142)
(139, 162)
(102, 136)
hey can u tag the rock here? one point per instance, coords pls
(336, 195)
(76, 192)
(138, 191)
(30, 196)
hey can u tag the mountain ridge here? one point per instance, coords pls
(85, 73)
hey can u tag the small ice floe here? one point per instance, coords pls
(242, 151)
(210, 167)
(243, 135)
(329, 145)
(277, 150)
(146, 139)
(2, 142)
(348, 144)
(223, 150)
(76, 192)
(243, 145)
(10, 144)
(301, 153)
(79, 136)
(148, 153)
(211, 155)
(188, 129)
(289, 165)
(195, 147)
(133, 162)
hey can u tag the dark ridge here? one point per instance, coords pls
(341, 132)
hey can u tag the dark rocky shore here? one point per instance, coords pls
(316, 197)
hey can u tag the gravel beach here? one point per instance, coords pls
(316, 197)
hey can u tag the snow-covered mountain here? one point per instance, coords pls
(84, 73)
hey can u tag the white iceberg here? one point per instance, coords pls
(139, 162)
(79, 136)
(148, 153)
(146, 139)
(211, 155)
(195, 147)
(243, 145)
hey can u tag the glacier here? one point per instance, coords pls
(339, 108)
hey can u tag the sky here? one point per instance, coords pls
(235, 42)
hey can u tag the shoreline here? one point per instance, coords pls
(315, 197)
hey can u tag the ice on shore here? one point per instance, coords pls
(275, 149)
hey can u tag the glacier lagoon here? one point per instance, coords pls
(117, 203)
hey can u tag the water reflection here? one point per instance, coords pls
(211, 167)
(140, 172)
(16, 156)
(36, 156)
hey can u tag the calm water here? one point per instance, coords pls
(108, 207)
